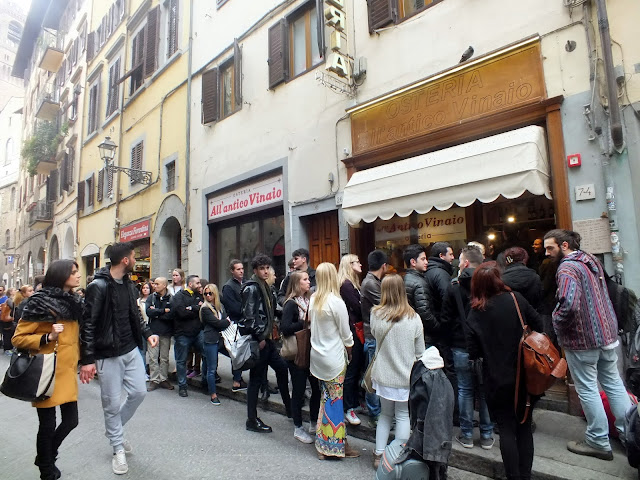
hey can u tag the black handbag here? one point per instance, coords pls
(30, 377)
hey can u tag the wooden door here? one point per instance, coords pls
(324, 239)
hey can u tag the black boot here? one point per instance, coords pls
(48, 471)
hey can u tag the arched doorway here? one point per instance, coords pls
(68, 246)
(29, 267)
(54, 249)
(169, 247)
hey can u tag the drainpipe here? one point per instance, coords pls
(187, 158)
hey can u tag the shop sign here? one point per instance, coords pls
(337, 61)
(435, 226)
(246, 198)
(501, 82)
(135, 232)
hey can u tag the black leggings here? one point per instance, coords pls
(516, 443)
(299, 380)
(49, 437)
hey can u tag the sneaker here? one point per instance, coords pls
(166, 384)
(128, 448)
(351, 417)
(240, 388)
(582, 448)
(8, 353)
(466, 442)
(487, 443)
(301, 435)
(119, 463)
(373, 421)
(183, 392)
(215, 401)
(192, 374)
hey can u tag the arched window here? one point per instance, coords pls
(8, 152)
(7, 238)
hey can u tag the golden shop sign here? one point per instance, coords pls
(498, 82)
(434, 226)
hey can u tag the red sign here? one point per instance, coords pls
(135, 232)
(574, 160)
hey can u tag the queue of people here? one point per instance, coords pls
(408, 327)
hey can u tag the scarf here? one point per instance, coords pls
(52, 304)
(303, 307)
(266, 296)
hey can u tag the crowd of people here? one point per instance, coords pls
(465, 325)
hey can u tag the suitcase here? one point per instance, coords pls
(410, 469)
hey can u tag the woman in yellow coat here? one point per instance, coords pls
(51, 318)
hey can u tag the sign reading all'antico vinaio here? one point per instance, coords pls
(501, 82)
(246, 198)
(434, 226)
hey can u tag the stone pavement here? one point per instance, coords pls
(552, 459)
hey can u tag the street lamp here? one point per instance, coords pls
(107, 154)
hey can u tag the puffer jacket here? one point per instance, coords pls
(419, 297)
(257, 317)
(99, 338)
(524, 280)
(185, 307)
(438, 276)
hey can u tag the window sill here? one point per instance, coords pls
(135, 95)
(90, 137)
(307, 70)
(170, 61)
(110, 118)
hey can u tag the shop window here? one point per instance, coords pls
(385, 12)
(222, 89)
(114, 88)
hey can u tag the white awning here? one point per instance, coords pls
(506, 164)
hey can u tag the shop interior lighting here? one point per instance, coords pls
(511, 219)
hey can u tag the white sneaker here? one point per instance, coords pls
(300, 434)
(119, 463)
(351, 417)
(128, 449)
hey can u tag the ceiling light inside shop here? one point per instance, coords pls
(491, 236)
(511, 219)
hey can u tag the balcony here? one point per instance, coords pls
(48, 103)
(51, 52)
(41, 216)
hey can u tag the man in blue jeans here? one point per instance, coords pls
(455, 308)
(370, 297)
(187, 328)
(587, 329)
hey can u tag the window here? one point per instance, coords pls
(8, 152)
(13, 198)
(170, 173)
(15, 32)
(172, 28)
(222, 89)
(69, 168)
(73, 108)
(80, 201)
(90, 191)
(384, 12)
(136, 160)
(144, 51)
(94, 104)
(7, 239)
(100, 194)
(296, 45)
(114, 88)
(137, 61)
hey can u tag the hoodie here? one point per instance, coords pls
(584, 318)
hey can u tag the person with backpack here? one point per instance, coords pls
(587, 328)
(493, 333)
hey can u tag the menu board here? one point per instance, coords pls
(595, 233)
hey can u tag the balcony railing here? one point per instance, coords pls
(48, 104)
(50, 51)
(41, 216)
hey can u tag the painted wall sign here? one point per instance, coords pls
(434, 226)
(501, 82)
(247, 198)
(136, 231)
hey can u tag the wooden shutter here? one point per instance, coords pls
(320, 26)
(109, 182)
(64, 173)
(80, 196)
(151, 48)
(210, 96)
(90, 46)
(90, 189)
(173, 28)
(100, 185)
(70, 160)
(136, 160)
(237, 74)
(52, 186)
(381, 13)
(278, 53)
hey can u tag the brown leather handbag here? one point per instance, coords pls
(303, 338)
(543, 364)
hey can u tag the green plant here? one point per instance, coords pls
(41, 146)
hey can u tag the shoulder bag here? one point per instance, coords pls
(303, 343)
(243, 350)
(543, 365)
(367, 381)
(289, 348)
(30, 377)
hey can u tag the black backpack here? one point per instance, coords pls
(625, 304)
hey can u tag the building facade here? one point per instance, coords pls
(12, 20)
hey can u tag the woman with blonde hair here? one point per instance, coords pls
(215, 320)
(349, 280)
(399, 336)
(294, 314)
(331, 343)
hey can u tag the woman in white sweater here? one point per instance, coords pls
(400, 342)
(331, 343)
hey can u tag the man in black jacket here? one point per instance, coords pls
(418, 293)
(258, 313)
(455, 308)
(300, 264)
(110, 338)
(158, 308)
(232, 301)
(187, 328)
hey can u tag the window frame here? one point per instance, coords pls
(114, 87)
(169, 52)
(172, 160)
(303, 11)
(137, 69)
(93, 109)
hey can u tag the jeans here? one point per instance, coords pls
(588, 367)
(466, 383)
(159, 370)
(389, 410)
(182, 347)
(114, 374)
(299, 382)
(354, 372)
(373, 402)
(269, 357)
(211, 355)
(49, 437)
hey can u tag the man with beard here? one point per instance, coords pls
(587, 329)
(110, 335)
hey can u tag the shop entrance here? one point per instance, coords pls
(324, 239)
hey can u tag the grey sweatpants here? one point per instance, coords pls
(115, 374)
